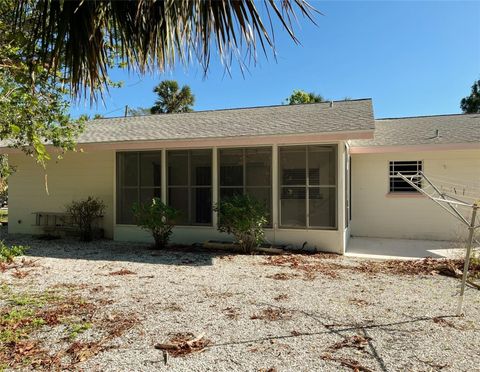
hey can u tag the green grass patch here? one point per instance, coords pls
(3, 219)
(17, 324)
(78, 328)
(26, 312)
(34, 300)
(7, 254)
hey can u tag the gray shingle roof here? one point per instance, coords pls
(354, 115)
(422, 130)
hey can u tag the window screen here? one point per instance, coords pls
(190, 185)
(407, 168)
(308, 186)
(246, 171)
(138, 181)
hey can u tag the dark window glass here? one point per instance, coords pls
(246, 170)
(231, 167)
(293, 165)
(302, 167)
(178, 199)
(409, 169)
(127, 197)
(258, 164)
(189, 185)
(293, 207)
(129, 171)
(201, 205)
(321, 165)
(201, 167)
(138, 181)
(227, 192)
(263, 195)
(150, 170)
(147, 194)
(177, 168)
(322, 206)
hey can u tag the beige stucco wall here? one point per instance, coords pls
(321, 240)
(76, 176)
(377, 214)
(79, 175)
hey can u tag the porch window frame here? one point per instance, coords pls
(189, 185)
(138, 187)
(244, 185)
(307, 187)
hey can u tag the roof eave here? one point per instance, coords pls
(222, 141)
(379, 149)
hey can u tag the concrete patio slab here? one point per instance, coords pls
(407, 249)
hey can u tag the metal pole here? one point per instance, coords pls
(471, 230)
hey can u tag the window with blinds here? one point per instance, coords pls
(408, 169)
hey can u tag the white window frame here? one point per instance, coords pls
(307, 187)
(392, 175)
(244, 185)
(190, 186)
(119, 188)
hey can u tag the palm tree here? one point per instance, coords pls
(83, 39)
(172, 99)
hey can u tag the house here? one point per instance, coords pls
(325, 171)
(445, 147)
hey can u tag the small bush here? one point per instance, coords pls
(7, 254)
(84, 213)
(157, 218)
(244, 217)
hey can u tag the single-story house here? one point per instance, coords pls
(326, 172)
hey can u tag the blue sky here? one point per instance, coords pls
(411, 57)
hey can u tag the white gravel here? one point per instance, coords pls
(176, 291)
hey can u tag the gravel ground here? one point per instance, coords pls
(407, 320)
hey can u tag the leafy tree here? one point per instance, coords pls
(33, 110)
(300, 96)
(80, 38)
(5, 171)
(172, 99)
(471, 104)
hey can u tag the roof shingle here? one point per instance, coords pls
(354, 115)
(424, 130)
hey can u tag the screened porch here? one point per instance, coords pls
(298, 184)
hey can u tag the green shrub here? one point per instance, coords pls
(158, 218)
(84, 213)
(7, 254)
(244, 217)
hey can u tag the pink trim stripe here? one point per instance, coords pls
(221, 142)
(413, 148)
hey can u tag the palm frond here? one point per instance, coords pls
(84, 39)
